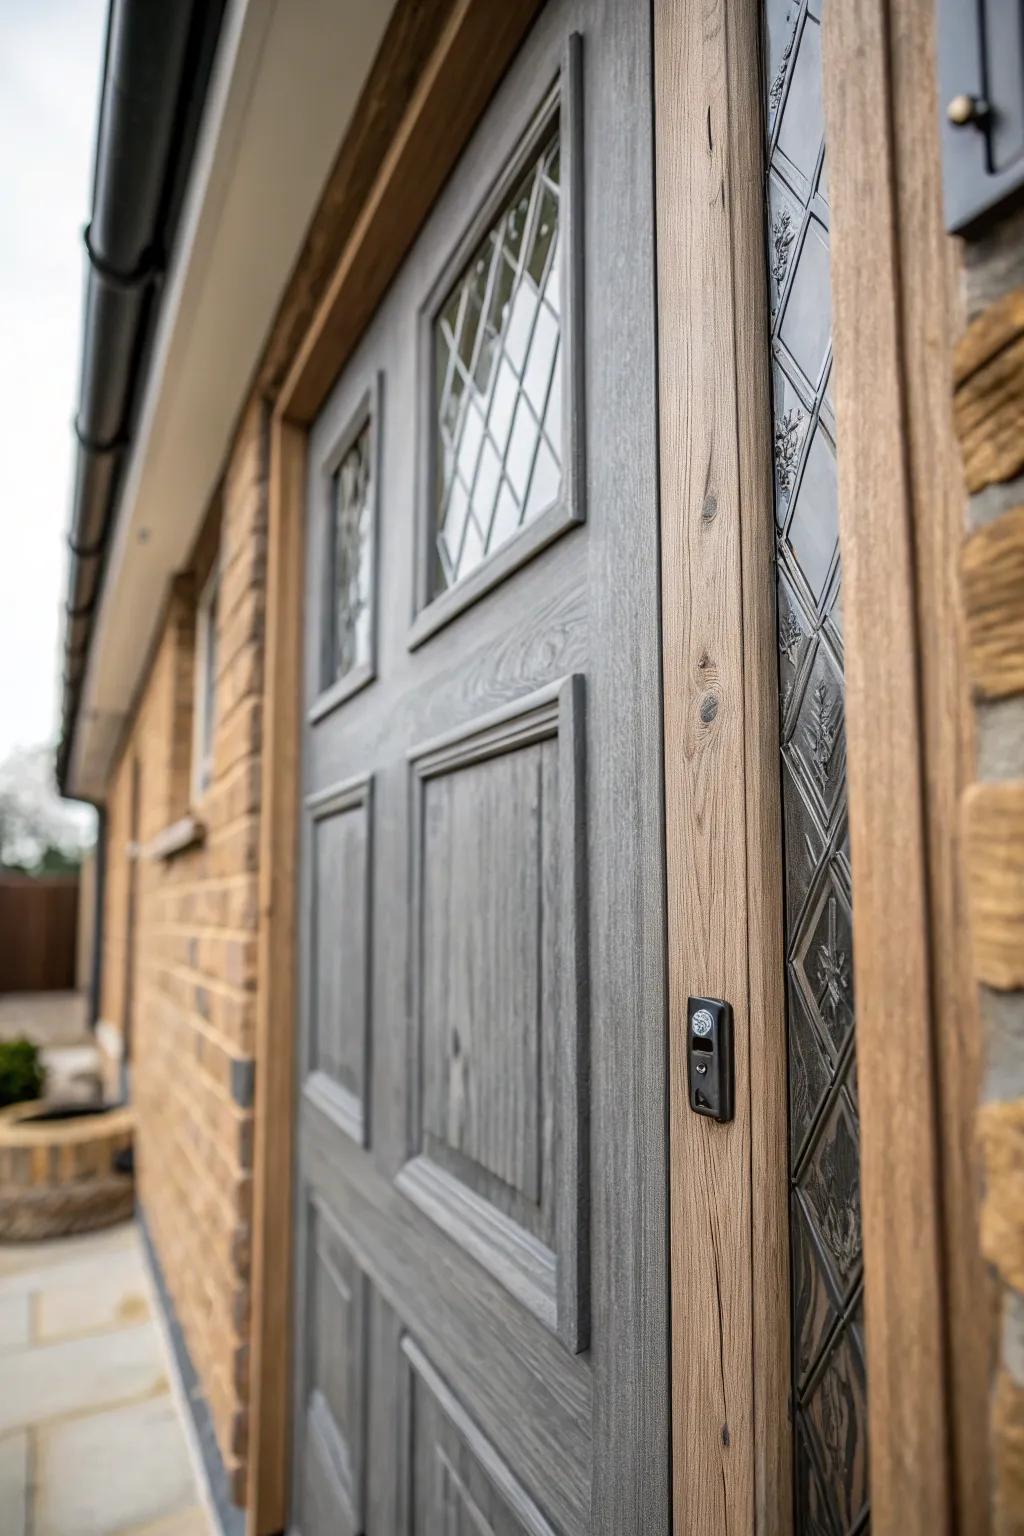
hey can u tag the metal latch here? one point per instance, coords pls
(709, 1056)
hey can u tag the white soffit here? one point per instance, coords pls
(286, 82)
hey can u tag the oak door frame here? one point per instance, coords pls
(906, 724)
(462, 71)
(729, 1199)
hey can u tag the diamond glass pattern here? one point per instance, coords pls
(497, 346)
(828, 1386)
(350, 562)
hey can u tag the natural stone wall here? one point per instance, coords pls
(194, 953)
(989, 415)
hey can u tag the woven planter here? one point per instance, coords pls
(57, 1175)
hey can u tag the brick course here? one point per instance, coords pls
(193, 956)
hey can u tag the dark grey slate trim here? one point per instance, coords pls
(243, 1076)
(230, 1518)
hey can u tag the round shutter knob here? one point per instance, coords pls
(964, 109)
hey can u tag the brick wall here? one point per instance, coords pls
(194, 952)
(989, 414)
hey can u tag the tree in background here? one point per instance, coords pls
(40, 833)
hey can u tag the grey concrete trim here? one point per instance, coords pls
(226, 1517)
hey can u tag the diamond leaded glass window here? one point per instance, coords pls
(829, 1383)
(498, 402)
(350, 562)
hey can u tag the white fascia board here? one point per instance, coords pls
(285, 84)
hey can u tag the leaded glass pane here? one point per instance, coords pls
(829, 1391)
(351, 553)
(497, 344)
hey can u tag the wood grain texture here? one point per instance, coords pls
(773, 1482)
(994, 862)
(270, 1398)
(931, 316)
(901, 1197)
(729, 1221)
(626, 916)
(455, 84)
(992, 578)
(515, 1359)
(499, 915)
(332, 1458)
(436, 69)
(587, 1436)
(476, 1490)
(339, 895)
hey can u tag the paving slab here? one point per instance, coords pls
(69, 1303)
(83, 1260)
(112, 1471)
(48, 1018)
(91, 1442)
(187, 1522)
(193, 1521)
(14, 1479)
(15, 1315)
(52, 1381)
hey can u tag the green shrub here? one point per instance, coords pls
(21, 1071)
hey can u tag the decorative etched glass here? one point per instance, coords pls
(829, 1392)
(498, 399)
(351, 554)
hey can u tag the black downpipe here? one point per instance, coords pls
(99, 871)
(159, 55)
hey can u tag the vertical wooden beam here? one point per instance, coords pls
(773, 1448)
(270, 1400)
(901, 1197)
(932, 303)
(729, 1226)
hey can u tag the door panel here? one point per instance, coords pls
(338, 1019)
(828, 1380)
(335, 1308)
(499, 910)
(481, 1296)
(459, 1485)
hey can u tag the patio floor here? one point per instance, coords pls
(48, 1018)
(91, 1443)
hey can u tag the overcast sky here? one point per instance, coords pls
(50, 59)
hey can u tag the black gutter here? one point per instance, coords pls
(159, 56)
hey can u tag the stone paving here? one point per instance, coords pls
(48, 1018)
(91, 1443)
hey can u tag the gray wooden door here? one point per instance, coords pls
(481, 1316)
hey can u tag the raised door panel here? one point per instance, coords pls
(456, 1482)
(499, 1040)
(337, 956)
(333, 1381)
(484, 856)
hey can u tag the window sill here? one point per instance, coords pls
(186, 833)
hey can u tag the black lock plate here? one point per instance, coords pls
(709, 1056)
